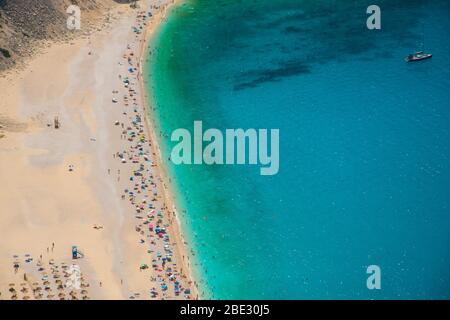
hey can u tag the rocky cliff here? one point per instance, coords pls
(26, 23)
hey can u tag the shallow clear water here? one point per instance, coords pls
(364, 145)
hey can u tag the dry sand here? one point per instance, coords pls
(42, 202)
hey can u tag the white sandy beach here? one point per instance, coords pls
(66, 187)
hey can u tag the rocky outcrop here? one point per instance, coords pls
(25, 23)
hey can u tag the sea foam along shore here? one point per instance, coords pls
(63, 187)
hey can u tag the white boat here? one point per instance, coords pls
(420, 55)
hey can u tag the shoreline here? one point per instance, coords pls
(148, 37)
(170, 187)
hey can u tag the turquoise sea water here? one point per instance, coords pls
(364, 145)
